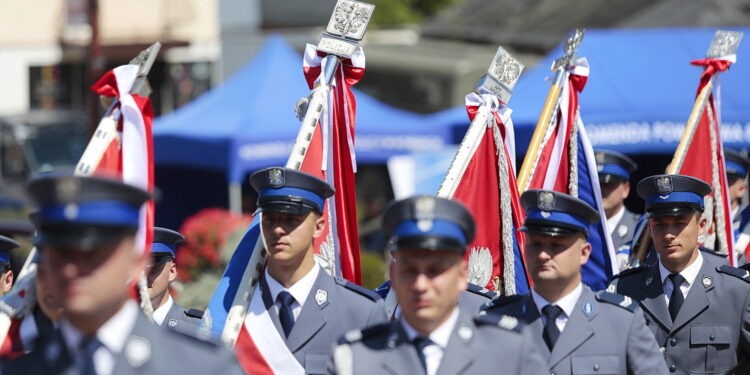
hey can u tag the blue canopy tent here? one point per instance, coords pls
(248, 123)
(639, 93)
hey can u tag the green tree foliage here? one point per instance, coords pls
(399, 12)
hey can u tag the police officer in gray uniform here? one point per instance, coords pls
(697, 310)
(160, 273)
(309, 308)
(434, 335)
(86, 229)
(614, 180)
(577, 330)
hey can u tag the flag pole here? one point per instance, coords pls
(724, 43)
(551, 104)
(14, 304)
(342, 38)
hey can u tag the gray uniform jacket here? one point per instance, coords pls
(148, 350)
(476, 346)
(333, 307)
(178, 317)
(605, 334)
(624, 229)
(711, 333)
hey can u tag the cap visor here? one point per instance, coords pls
(285, 208)
(672, 211)
(554, 231)
(437, 243)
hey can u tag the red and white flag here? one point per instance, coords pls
(130, 155)
(566, 164)
(704, 159)
(331, 157)
(486, 184)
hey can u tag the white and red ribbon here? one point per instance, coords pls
(261, 350)
(136, 157)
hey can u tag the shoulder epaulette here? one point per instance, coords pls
(478, 290)
(630, 271)
(360, 334)
(625, 302)
(736, 272)
(201, 335)
(383, 289)
(194, 313)
(357, 289)
(507, 322)
(501, 301)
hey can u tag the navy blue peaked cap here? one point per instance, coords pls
(556, 214)
(6, 246)
(670, 195)
(165, 241)
(736, 164)
(84, 212)
(428, 222)
(289, 191)
(613, 166)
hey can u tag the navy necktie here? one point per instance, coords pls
(420, 343)
(676, 299)
(551, 332)
(86, 355)
(285, 312)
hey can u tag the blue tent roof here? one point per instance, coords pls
(248, 122)
(640, 90)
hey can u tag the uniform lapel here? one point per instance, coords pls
(137, 351)
(457, 356)
(401, 356)
(311, 319)
(269, 303)
(577, 330)
(654, 301)
(173, 313)
(696, 300)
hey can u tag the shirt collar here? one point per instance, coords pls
(440, 335)
(112, 334)
(566, 303)
(689, 273)
(612, 222)
(300, 290)
(161, 312)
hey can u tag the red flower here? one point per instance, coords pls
(205, 234)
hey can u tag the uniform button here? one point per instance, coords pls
(712, 337)
(672, 368)
(673, 342)
(596, 367)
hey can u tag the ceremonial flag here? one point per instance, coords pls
(129, 155)
(701, 155)
(488, 188)
(566, 164)
(482, 176)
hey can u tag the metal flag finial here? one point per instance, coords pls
(145, 59)
(346, 28)
(724, 43)
(501, 76)
(569, 50)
